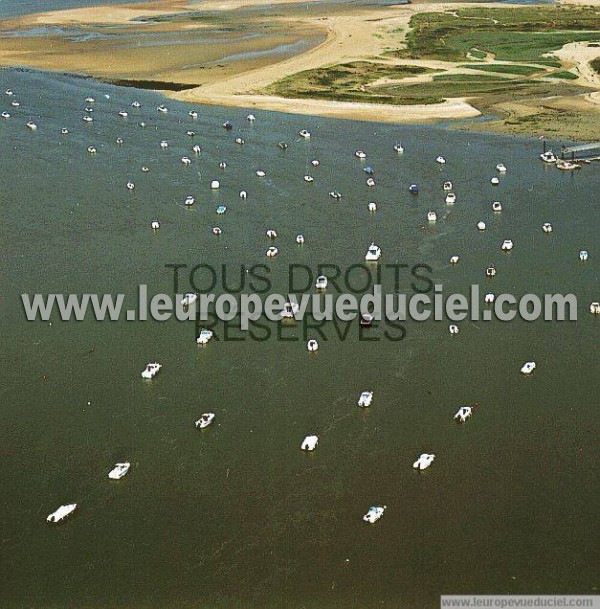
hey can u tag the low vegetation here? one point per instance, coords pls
(499, 68)
(596, 65)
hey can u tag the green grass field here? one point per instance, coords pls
(517, 69)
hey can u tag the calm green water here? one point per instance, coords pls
(238, 516)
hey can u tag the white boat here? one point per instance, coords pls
(190, 133)
(123, 114)
(490, 271)
(370, 182)
(424, 461)
(260, 173)
(5, 114)
(289, 310)
(196, 149)
(272, 252)
(151, 370)
(271, 234)
(365, 399)
(360, 154)
(130, 185)
(193, 114)
(62, 512)
(399, 148)
(164, 144)
(495, 181)
(334, 194)
(373, 253)
(215, 184)
(464, 412)
(566, 165)
(528, 367)
(204, 336)
(87, 119)
(223, 165)
(374, 514)
(15, 104)
(431, 216)
(239, 141)
(441, 160)
(189, 200)
(162, 108)
(507, 245)
(31, 125)
(453, 329)
(454, 259)
(89, 100)
(119, 470)
(205, 420)
(189, 299)
(305, 134)
(251, 118)
(447, 186)
(312, 345)
(155, 225)
(299, 239)
(9, 92)
(372, 206)
(450, 198)
(119, 140)
(310, 443)
(595, 308)
(501, 168)
(216, 230)
(497, 206)
(583, 255)
(315, 163)
(489, 298)
(243, 195)
(136, 104)
(186, 160)
(91, 149)
(548, 157)
(481, 225)
(321, 282)
(547, 228)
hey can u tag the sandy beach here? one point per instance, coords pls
(237, 70)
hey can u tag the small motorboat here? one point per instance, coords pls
(251, 118)
(464, 412)
(450, 198)
(5, 114)
(9, 92)
(447, 186)
(119, 470)
(271, 234)
(372, 206)
(497, 206)
(189, 201)
(92, 149)
(310, 443)
(282, 146)
(145, 169)
(413, 189)
(87, 119)
(89, 110)
(370, 182)
(321, 282)
(15, 104)
(119, 140)
(189, 299)
(454, 259)
(312, 345)
(239, 141)
(62, 512)
(186, 160)
(334, 194)
(205, 420)
(227, 126)
(366, 320)
(595, 308)
(398, 148)
(221, 210)
(453, 329)
(272, 252)
(155, 225)
(374, 514)
(481, 225)
(289, 311)
(216, 231)
(489, 298)
(490, 271)
(196, 149)
(123, 114)
(243, 195)
(164, 144)
(261, 173)
(299, 239)
(162, 108)
(548, 157)
(215, 184)
(373, 253)
(369, 170)
(547, 228)
(507, 245)
(204, 336)
(441, 160)
(583, 255)
(190, 133)
(136, 104)
(130, 185)
(495, 181)
(365, 399)
(566, 165)
(31, 125)
(305, 134)
(151, 370)
(89, 100)
(528, 367)
(424, 461)
(501, 168)
(193, 113)
(431, 216)
(360, 154)
(315, 163)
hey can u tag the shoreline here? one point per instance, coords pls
(364, 35)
